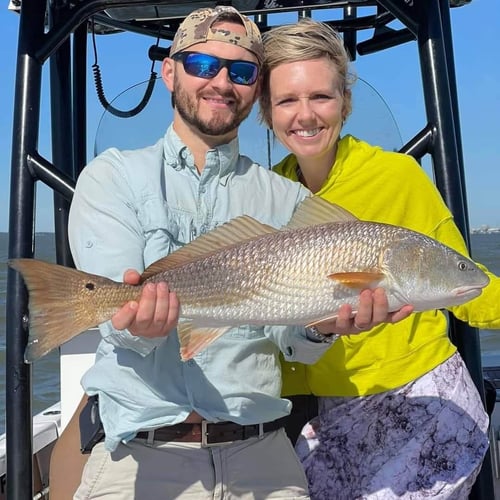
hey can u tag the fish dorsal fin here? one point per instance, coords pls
(236, 231)
(315, 210)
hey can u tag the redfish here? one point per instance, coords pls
(248, 273)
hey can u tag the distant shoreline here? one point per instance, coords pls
(486, 230)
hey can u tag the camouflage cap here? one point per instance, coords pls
(197, 28)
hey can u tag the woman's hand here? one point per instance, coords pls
(372, 311)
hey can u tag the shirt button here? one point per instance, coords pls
(88, 244)
(293, 368)
(191, 362)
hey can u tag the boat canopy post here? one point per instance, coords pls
(436, 58)
(19, 447)
(80, 98)
(63, 141)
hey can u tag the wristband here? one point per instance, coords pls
(314, 335)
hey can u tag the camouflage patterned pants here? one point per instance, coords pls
(426, 439)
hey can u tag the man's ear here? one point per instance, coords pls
(167, 73)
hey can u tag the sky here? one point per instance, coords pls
(393, 75)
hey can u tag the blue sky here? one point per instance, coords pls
(395, 74)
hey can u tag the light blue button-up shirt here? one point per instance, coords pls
(131, 208)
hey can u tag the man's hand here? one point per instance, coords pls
(372, 311)
(156, 313)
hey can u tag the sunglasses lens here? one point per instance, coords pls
(201, 65)
(207, 66)
(244, 73)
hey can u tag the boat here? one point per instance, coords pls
(60, 33)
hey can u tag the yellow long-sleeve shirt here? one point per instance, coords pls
(387, 187)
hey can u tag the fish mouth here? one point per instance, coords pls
(471, 290)
(468, 292)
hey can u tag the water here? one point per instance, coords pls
(45, 370)
(485, 249)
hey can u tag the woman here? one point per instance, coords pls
(399, 416)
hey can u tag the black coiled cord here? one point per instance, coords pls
(117, 112)
(100, 88)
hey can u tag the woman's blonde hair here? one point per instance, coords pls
(305, 40)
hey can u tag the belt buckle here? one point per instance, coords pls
(204, 435)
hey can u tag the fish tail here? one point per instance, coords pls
(59, 308)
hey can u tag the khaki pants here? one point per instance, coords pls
(254, 469)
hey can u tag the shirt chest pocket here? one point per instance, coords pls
(247, 332)
(165, 229)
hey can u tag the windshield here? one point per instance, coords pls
(371, 121)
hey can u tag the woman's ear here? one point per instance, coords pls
(347, 105)
(167, 73)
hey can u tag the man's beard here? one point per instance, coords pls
(217, 125)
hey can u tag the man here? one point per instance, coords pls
(131, 208)
(209, 427)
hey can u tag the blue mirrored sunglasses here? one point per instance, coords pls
(207, 66)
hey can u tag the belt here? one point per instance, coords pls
(208, 433)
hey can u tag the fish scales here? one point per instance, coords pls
(279, 278)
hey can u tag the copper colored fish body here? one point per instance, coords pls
(244, 272)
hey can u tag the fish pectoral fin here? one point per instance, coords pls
(361, 280)
(194, 339)
(318, 321)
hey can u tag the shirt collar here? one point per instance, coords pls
(178, 156)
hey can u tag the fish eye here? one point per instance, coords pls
(90, 286)
(462, 265)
